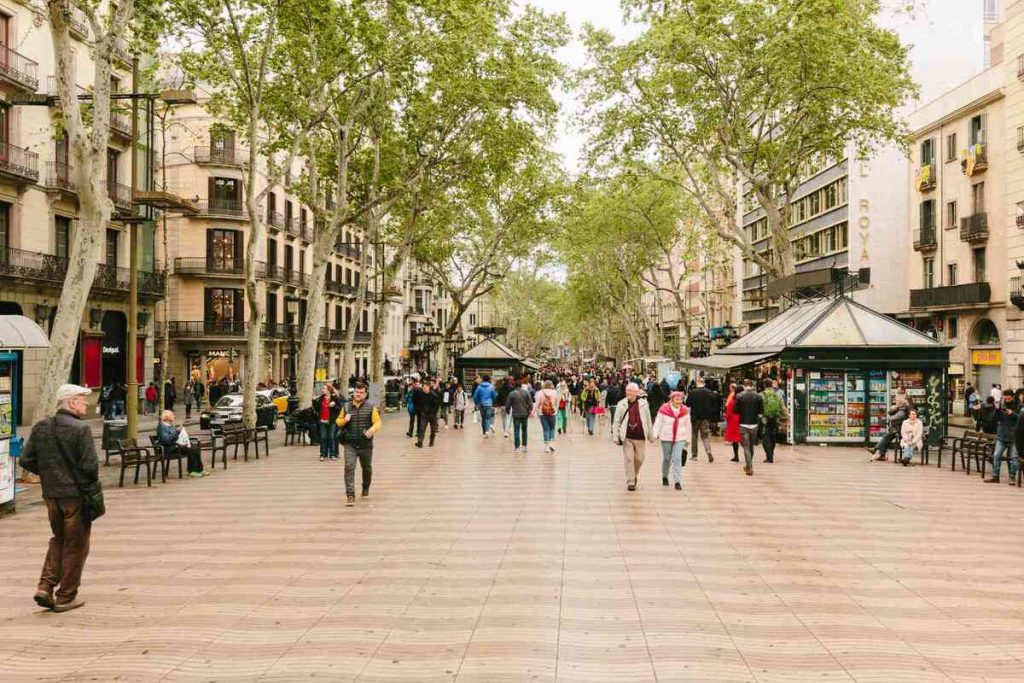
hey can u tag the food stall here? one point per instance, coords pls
(18, 334)
(840, 365)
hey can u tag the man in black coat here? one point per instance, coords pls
(704, 411)
(428, 404)
(55, 446)
(750, 407)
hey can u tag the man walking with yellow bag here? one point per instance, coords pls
(358, 424)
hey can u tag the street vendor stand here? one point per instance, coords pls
(491, 357)
(17, 335)
(840, 365)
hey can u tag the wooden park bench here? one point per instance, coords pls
(977, 446)
(236, 434)
(138, 456)
(169, 454)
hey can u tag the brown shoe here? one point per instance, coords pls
(711, 458)
(366, 493)
(350, 502)
(68, 606)
(749, 471)
(43, 599)
(992, 480)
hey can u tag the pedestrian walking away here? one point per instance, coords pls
(672, 428)
(732, 423)
(750, 408)
(545, 406)
(484, 397)
(520, 406)
(505, 387)
(704, 410)
(428, 406)
(62, 452)
(358, 425)
(774, 416)
(633, 430)
(410, 405)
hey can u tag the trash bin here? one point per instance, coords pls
(391, 399)
(114, 431)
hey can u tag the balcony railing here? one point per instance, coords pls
(1020, 67)
(974, 228)
(18, 69)
(925, 238)
(294, 278)
(204, 328)
(1016, 292)
(122, 52)
(1020, 138)
(50, 269)
(19, 163)
(364, 337)
(78, 25)
(414, 310)
(209, 266)
(1020, 215)
(974, 159)
(956, 295)
(228, 156)
(59, 175)
(121, 125)
(234, 208)
(121, 195)
(341, 289)
(275, 219)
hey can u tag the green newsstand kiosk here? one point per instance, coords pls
(841, 364)
(491, 357)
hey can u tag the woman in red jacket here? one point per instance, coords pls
(732, 423)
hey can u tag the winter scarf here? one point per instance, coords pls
(666, 410)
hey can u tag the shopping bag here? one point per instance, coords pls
(183, 438)
(476, 417)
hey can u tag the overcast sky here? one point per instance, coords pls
(603, 14)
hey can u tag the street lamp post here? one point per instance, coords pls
(291, 304)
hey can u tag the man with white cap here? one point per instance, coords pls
(55, 446)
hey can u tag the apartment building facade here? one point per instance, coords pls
(955, 271)
(39, 206)
(208, 313)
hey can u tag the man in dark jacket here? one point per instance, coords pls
(360, 422)
(704, 410)
(45, 455)
(898, 412)
(519, 405)
(1006, 437)
(750, 407)
(428, 403)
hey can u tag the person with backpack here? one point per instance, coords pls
(520, 405)
(564, 399)
(672, 428)
(460, 406)
(774, 414)
(545, 406)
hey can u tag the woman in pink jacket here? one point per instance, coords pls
(672, 428)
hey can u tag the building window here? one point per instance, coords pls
(112, 163)
(979, 264)
(472, 319)
(271, 207)
(991, 12)
(978, 198)
(927, 152)
(928, 214)
(112, 236)
(951, 214)
(951, 151)
(225, 193)
(929, 273)
(224, 250)
(952, 327)
(61, 237)
(976, 131)
(222, 144)
(223, 306)
(5, 227)
(951, 274)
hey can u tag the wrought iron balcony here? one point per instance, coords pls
(18, 70)
(925, 177)
(956, 295)
(121, 125)
(18, 164)
(227, 156)
(178, 329)
(275, 219)
(122, 52)
(121, 195)
(974, 159)
(59, 176)
(78, 24)
(924, 238)
(974, 228)
(225, 208)
(341, 289)
(294, 278)
(363, 337)
(209, 266)
(51, 270)
(1020, 220)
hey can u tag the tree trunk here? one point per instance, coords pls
(349, 357)
(391, 272)
(785, 260)
(323, 246)
(254, 294)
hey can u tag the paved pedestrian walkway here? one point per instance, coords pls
(472, 563)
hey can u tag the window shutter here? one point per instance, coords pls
(237, 241)
(211, 189)
(238, 316)
(207, 304)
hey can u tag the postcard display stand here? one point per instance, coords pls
(846, 406)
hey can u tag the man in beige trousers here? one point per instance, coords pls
(632, 428)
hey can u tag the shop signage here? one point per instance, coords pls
(987, 357)
(111, 350)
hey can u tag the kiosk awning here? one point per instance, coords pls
(18, 332)
(726, 361)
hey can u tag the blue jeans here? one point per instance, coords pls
(997, 458)
(590, 422)
(328, 445)
(519, 426)
(908, 453)
(672, 453)
(486, 418)
(547, 423)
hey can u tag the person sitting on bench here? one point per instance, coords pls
(911, 437)
(901, 407)
(167, 433)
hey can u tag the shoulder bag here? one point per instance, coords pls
(92, 494)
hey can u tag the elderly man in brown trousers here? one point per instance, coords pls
(69, 522)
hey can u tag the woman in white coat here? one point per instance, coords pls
(672, 428)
